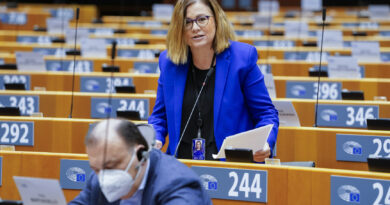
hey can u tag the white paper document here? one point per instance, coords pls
(270, 84)
(253, 139)
(288, 117)
(37, 191)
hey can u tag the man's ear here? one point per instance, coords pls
(141, 152)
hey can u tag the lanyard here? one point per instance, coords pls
(199, 121)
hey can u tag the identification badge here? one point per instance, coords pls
(198, 149)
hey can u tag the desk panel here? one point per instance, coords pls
(293, 144)
(313, 183)
(57, 104)
(60, 81)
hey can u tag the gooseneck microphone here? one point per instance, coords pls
(208, 75)
(319, 69)
(74, 61)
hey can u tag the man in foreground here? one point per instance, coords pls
(128, 171)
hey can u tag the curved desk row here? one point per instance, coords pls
(280, 185)
(320, 145)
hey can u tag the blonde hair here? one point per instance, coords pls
(176, 45)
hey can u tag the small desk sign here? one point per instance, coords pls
(103, 84)
(379, 12)
(332, 39)
(262, 21)
(70, 33)
(95, 48)
(56, 25)
(331, 115)
(234, 184)
(100, 107)
(343, 67)
(267, 6)
(308, 90)
(366, 51)
(288, 117)
(30, 61)
(162, 11)
(296, 29)
(355, 190)
(9, 78)
(17, 133)
(270, 84)
(357, 148)
(74, 173)
(311, 5)
(28, 104)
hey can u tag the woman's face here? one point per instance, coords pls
(198, 145)
(197, 36)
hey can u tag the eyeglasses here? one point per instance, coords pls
(202, 21)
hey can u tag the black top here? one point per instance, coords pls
(206, 104)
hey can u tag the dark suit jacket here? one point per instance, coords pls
(169, 182)
(241, 100)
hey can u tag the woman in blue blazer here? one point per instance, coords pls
(234, 98)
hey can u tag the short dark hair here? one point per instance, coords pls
(130, 134)
(127, 130)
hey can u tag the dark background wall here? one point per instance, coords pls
(143, 7)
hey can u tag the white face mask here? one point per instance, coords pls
(116, 183)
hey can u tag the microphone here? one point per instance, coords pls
(112, 67)
(319, 69)
(208, 75)
(74, 62)
(270, 8)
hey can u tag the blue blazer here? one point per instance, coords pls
(241, 100)
(169, 182)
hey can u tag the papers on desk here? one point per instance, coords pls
(37, 191)
(253, 139)
(288, 117)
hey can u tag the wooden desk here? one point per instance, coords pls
(52, 82)
(61, 81)
(66, 135)
(313, 183)
(57, 104)
(38, 13)
(370, 86)
(279, 67)
(82, 104)
(301, 68)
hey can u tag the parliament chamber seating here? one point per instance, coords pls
(55, 136)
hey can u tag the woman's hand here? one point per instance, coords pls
(260, 155)
(158, 144)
